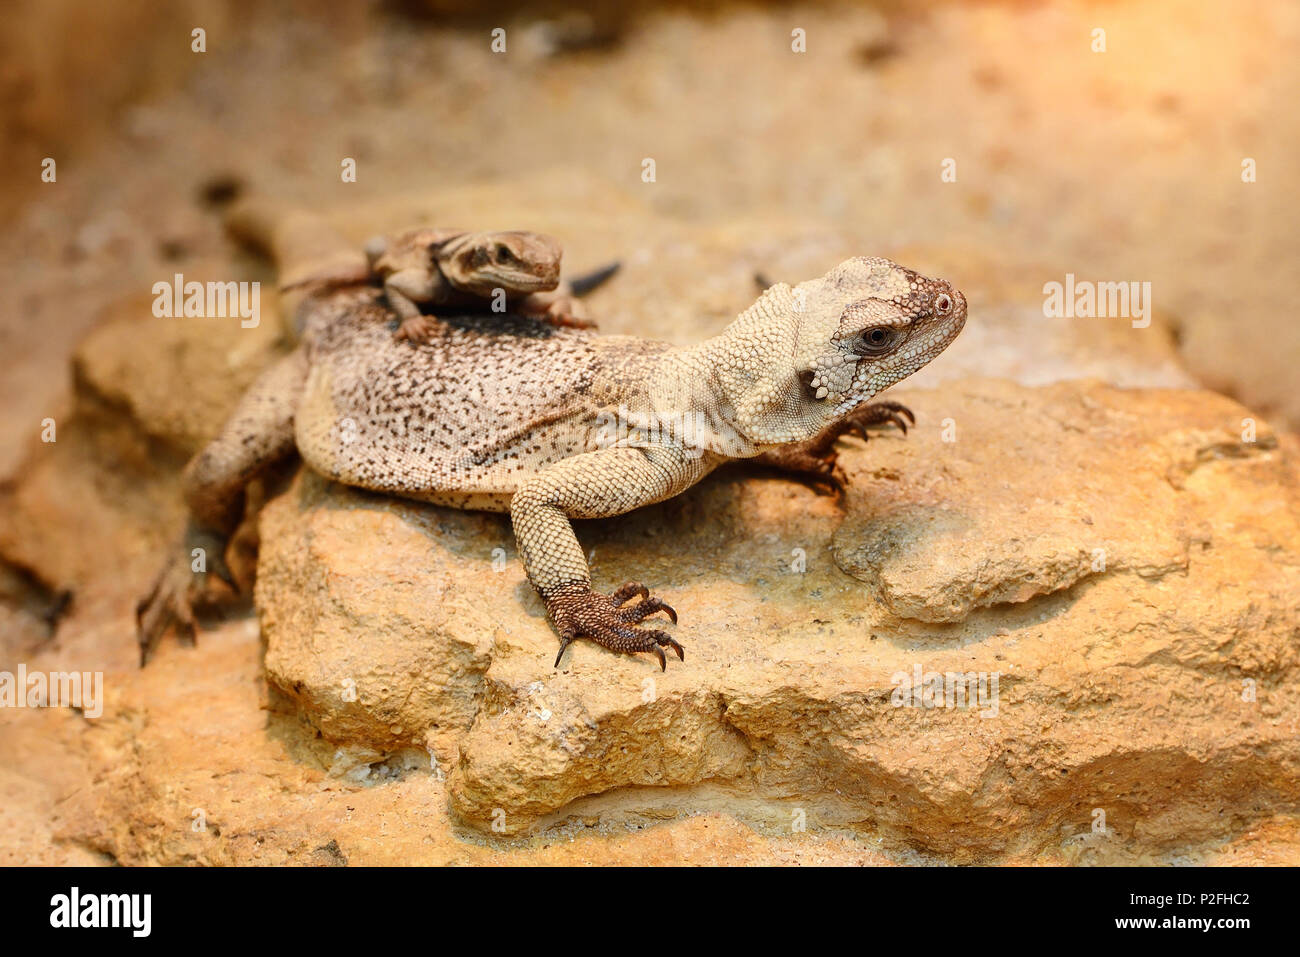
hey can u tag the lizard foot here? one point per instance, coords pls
(556, 309)
(816, 463)
(176, 591)
(608, 620)
(818, 469)
(876, 413)
(417, 329)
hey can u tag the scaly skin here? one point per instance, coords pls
(553, 424)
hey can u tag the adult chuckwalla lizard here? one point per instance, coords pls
(551, 424)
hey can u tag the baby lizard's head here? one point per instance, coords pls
(476, 263)
(824, 347)
(514, 261)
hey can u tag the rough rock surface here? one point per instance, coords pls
(1126, 565)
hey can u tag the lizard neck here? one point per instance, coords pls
(687, 397)
(751, 374)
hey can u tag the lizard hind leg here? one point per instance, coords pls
(304, 247)
(178, 588)
(258, 434)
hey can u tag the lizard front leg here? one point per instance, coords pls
(258, 434)
(405, 290)
(816, 460)
(558, 308)
(597, 485)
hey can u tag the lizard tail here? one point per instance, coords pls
(302, 244)
(581, 285)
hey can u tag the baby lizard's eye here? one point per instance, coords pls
(875, 342)
(504, 255)
(942, 303)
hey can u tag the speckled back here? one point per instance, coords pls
(488, 401)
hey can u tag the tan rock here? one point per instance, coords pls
(966, 556)
(1028, 492)
(176, 379)
(147, 393)
(370, 627)
(1121, 689)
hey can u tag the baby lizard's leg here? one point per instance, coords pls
(405, 289)
(258, 434)
(306, 250)
(597, 485)
(557, 308)
(561, 307)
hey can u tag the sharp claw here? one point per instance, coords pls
(564, 643)
(638, 590)
(641, 612)
(899, 421)
(663, 661)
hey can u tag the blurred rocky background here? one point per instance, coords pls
(1158, 685)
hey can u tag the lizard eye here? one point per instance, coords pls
(942, 303)
(504, 254)
(876, 341)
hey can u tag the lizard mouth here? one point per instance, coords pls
(519, 282)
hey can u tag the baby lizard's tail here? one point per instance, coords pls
(304, 247)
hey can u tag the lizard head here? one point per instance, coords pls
(515, 261)
(821, 349)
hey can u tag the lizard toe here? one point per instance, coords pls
(900, 409)
(624, 592)
(168, 603)
(645, 608)
(415, 329)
